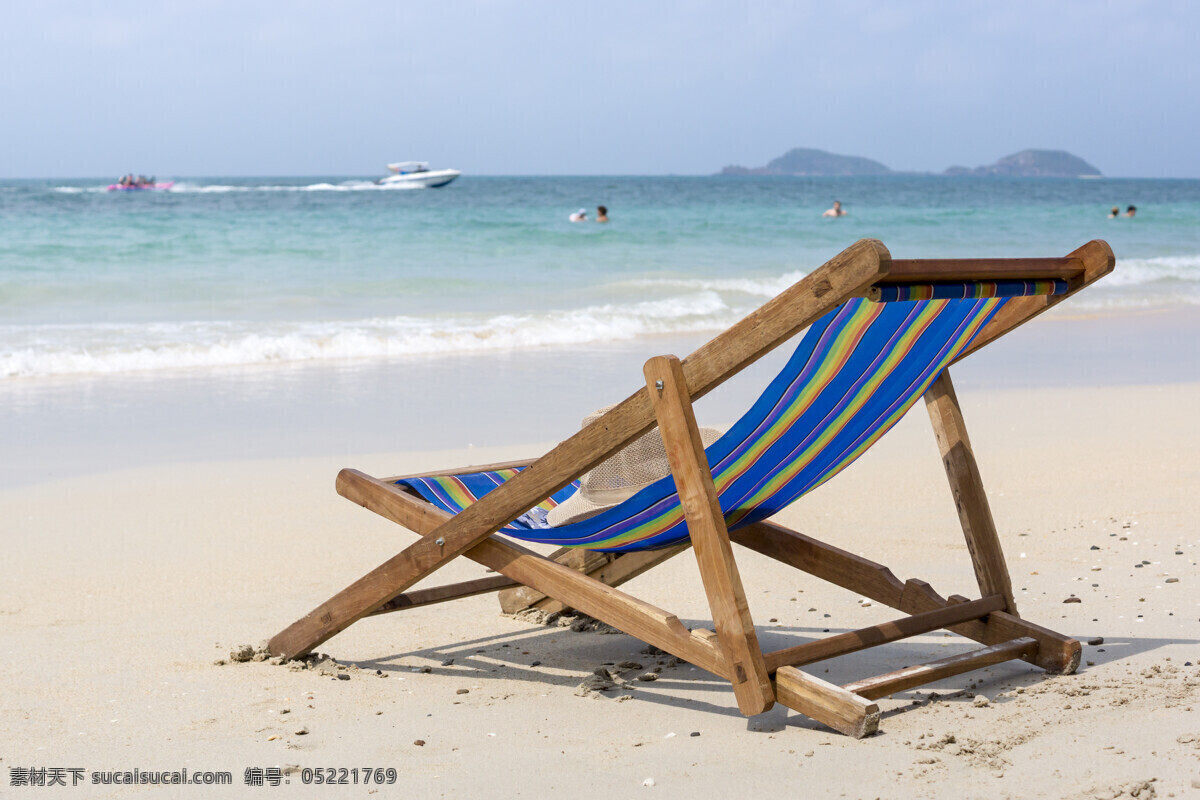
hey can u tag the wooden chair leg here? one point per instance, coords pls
(967, 487)
(710, 538)
(827, 703)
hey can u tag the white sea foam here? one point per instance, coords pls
(1137, 271)
(186, 187)
(102, 349)
(218, 188)
(683, 305)
(757, 287)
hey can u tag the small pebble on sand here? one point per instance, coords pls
(980, 701)
(462, 691)
(242, 654)
(419, 742)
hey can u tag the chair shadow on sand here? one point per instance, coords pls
(574, 656)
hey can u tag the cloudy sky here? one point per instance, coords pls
(226, 87)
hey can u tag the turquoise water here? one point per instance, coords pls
(225, 272)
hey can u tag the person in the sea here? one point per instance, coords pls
(579, 216)
(836, 211)
(1116, 212)
(601, 213)
(1129, 212)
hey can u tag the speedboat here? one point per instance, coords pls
(418, 175)
(131, 183)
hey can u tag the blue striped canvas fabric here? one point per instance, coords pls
(853, 375)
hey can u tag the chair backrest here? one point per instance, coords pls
(852, 377)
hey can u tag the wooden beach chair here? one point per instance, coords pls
(881, 333)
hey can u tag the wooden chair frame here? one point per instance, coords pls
(587, 581)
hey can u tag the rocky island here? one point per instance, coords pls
(1034, 164)
(808, 162)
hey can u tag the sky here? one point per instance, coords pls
(227, 87)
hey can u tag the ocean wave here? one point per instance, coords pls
(104, 349)
(1137, 271)
(758, 287)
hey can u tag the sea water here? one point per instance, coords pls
(260, 318)
(221, 272)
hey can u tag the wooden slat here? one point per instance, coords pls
(710, 539)
(903, 628)
(825, 561)
(521, 598)
(828, 704)
(924, 270)
(847, 275)
(919, 675)
(624, 567)
(966, 487)
(642, 620)
(442, 594)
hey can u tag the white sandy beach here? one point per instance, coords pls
(122, 589)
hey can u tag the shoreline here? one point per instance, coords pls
(65, 427)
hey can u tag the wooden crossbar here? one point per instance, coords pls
(1098, 260)
(903, 628)
(441, 594)
(909, 677)
(925, 270)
